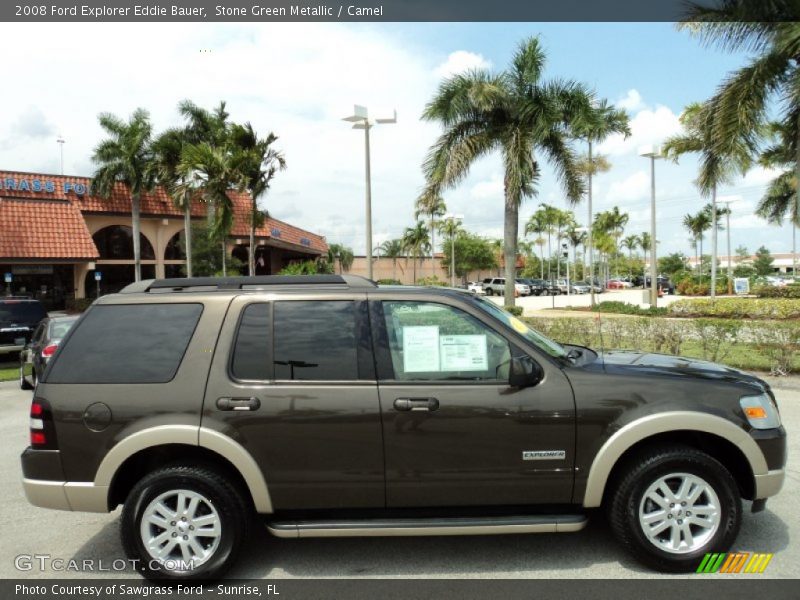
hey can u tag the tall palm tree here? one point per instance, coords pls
(594, 124)
(537, 225)
(743, 103)
(517, 113)
(614, 222)
(551, 216)
(578, 238)
(432, 206)
(258, 162)
(167, 150)
(697, 225)
(451, 229)
(645, 243)
(341, 254)
(126, 157)
(715, 168)
(416, 242)
(563, 221)
(631, 242)
(392, 249)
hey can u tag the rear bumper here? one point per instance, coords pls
(66, 495)
(769, 483)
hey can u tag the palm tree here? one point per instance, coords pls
(126, 157)
(537, 225)
(342, 254)
(697, 225)
(563, 221)
(745, 100)
(450, 228)
(167, 150)
(715, 168)
(613, 222)
(432, 206)
(645, 243)
(517, 113)
(392, 249)
(258, 162)
(416, 241)
(577, 238)
(631, 243)
(595, 123)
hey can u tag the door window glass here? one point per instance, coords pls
(315, 340)
(253, 344)
(435, 342)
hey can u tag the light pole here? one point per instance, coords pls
(453, 219)
(727, 204)
(61, 141)
(589, 226)
(652, 152)
(360, 119)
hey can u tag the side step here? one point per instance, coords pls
(438, 526)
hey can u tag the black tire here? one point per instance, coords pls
(489, 291)
(24, 384)
(626, 496)
(227, 500)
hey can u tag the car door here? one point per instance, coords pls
(293, 381)
(455, 433)
(31, 350)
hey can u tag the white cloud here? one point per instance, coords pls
(632, 101)
(648, 126)
(760, 176)
(634, 187)
(491, 189)
(460, 61)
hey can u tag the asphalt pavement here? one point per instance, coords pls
(592, 553)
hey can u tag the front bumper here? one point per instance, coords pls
(769, 484)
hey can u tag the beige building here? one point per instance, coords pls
(403, 269)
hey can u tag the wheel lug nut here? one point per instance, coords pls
(191, 527)
(672, 505)
(174, 535)
(186, 537)
(669, 516)
(688, 513)
(172, 523)
(680, 521)
(683, 503)
(183, 518)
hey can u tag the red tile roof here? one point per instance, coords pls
(44, 229)
(156, 203)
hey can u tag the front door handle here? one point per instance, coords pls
(416, 404)
(228, 403)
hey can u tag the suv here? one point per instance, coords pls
(19, 316)
(495, 286)
(328, 406)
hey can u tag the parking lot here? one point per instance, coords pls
(591, 553)
(531, 304)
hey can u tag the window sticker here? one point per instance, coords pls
(420, 349)
(463, 353)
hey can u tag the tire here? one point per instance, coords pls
(674, 465)
(24, 384)
(216, 497)
(489, 292)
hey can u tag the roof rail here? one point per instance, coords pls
(245, 283)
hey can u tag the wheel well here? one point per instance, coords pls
(715, 446)
(145, 461)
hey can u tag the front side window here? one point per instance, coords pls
(315, 341)
(127, 343)
(436, 342)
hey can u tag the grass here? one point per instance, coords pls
(9, 371)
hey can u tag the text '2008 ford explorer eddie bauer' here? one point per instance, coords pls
(329, 406)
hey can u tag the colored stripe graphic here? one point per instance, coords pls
(734, 562)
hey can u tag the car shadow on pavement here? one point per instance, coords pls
(592, 552)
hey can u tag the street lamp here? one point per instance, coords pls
(453, 219)
(360, 119)
(652, 152)
(61, 141)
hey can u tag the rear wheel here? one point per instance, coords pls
(489, 291)
(672, 506)
(184, 523)
(24, 384)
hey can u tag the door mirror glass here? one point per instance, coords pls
(524, 372)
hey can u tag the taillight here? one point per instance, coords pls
(43, 433)
(49, 350)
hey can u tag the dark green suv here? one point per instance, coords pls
(329, 406)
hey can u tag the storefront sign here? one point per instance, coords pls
(40, 185)
(98, 276)
(32, 269)
(8, 277)
(741, 285)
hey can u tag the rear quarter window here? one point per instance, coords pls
(126, 343)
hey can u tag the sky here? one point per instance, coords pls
(300, 80)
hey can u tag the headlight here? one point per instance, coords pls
(760, 411)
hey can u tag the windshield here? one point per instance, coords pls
(20, 311)
(537, 339)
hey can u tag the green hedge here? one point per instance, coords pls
(514, 310)
(737, 308)
(616, 306)
(78, 305)
(771, 291)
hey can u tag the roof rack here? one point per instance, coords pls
(195, 284)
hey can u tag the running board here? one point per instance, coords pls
(440, 526)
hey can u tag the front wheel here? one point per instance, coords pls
(672, 506)
(489, 292)
(183, 523)
(24, 384)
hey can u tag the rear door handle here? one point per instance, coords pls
(227, 403)
(416, 404)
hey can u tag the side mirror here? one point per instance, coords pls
(524, 372)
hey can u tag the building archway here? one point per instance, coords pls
(115, 242)
(176, 247)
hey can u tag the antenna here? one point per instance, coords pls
(61, 141)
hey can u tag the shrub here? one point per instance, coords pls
(770, 291)
(737, 308)
(389, 282)
(616, 306)
(780, 342)
(78, 305)
(514, 310)
(717, 337)
(431, 281)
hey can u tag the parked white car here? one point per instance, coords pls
(476, 287)
(495, 286)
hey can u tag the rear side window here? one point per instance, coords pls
(127, 343)
(315, 340)
(251, 353)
